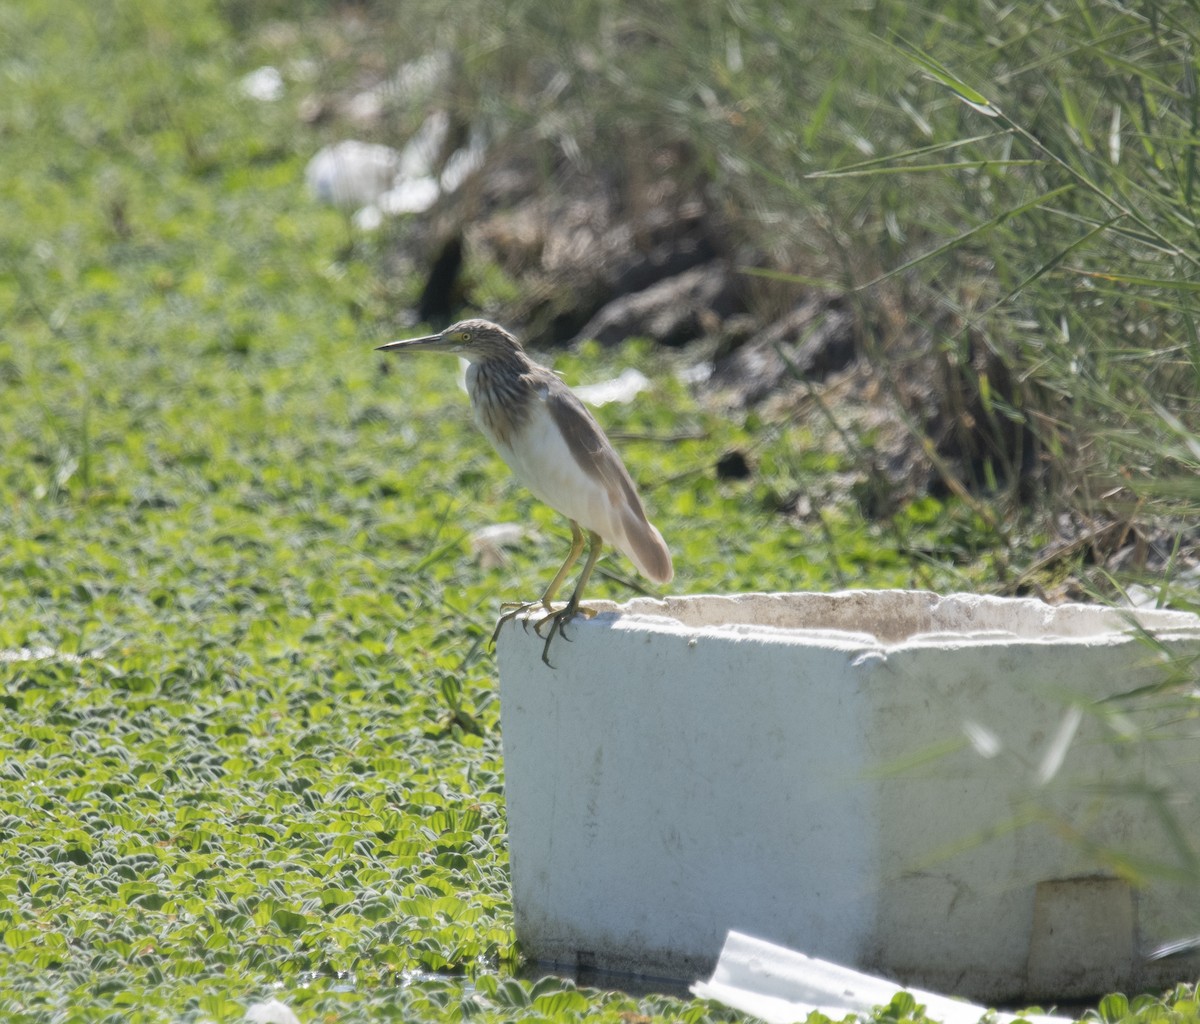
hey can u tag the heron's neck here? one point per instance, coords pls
(503, 392)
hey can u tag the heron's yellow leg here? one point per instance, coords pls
(561, 617)
(513, 609)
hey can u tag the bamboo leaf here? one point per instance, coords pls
(971, 97)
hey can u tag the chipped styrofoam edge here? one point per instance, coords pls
(750, 616)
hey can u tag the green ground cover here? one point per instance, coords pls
(249, 735)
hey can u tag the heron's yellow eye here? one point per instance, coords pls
(464, 336)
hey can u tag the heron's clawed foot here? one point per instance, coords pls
(557, 621)
(511, 609)
(548, 626)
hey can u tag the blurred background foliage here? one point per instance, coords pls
(1002, 194)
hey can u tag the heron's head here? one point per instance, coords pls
(475, 340)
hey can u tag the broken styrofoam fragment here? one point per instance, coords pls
(782, 986)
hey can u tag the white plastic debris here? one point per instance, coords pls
(464, 162)
(623, 388)
(489, 542)
(697, 373)
(377, 181)
(420, 153)
(264, 84)
(409, 85)
(365, 108)
(413, 188)
(352, 174)
(410, 195)
(782, 986)
(369, 218)
(272, 1011)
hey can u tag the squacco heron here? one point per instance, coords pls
(556, 448)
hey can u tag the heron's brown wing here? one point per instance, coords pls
(594, 453)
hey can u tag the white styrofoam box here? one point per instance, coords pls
(929, 787)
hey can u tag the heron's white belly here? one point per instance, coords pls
(541, 460)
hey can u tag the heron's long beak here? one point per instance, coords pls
(429, 341)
